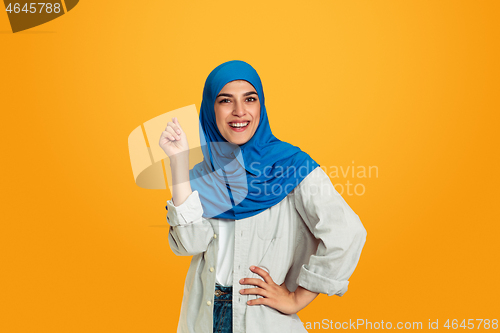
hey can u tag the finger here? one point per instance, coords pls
(175, 125)
(254, 282)
(174, 128)
(172, 132)
(265, 275)
(177, 122)
(168, 135)
(169, 124)
(165, 135)
(254, 291)
(263, 301)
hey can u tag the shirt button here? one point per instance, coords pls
(211, 269)
(209, 303)
(215, 235)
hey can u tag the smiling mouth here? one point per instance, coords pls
(239, 125)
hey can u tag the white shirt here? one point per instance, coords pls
(312, 239)
(225, 257)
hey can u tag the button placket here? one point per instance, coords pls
(241, 265)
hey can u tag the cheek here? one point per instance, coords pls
(220, 126)
(257, 117)
(256, 126)
(219, 120)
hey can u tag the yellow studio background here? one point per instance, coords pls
(410, 87)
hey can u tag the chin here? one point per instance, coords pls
(239, 142)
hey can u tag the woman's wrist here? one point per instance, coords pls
(181, 186)
(179, 159)
(179, 165)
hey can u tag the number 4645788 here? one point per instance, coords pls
(472, 324)
(34, 8)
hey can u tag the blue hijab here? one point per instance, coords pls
(239, 181)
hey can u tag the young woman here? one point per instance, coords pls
(265, 226)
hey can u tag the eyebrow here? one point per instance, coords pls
(229, 95)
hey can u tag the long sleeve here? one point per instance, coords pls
(189, 233)
(339, 230)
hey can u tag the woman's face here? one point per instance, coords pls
(237, 111)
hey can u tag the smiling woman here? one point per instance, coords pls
(237, 111)
(256, 260)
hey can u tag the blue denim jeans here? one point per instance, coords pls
(223, 309)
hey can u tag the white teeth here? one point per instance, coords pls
(238, 124)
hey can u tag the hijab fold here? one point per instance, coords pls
(240, 181)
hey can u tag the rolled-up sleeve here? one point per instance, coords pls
(189, 232)
(339, 230)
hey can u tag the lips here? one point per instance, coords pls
(239, 126)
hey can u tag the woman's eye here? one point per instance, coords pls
(252, 99)
(224, 100)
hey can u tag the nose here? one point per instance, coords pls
(239, 109)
